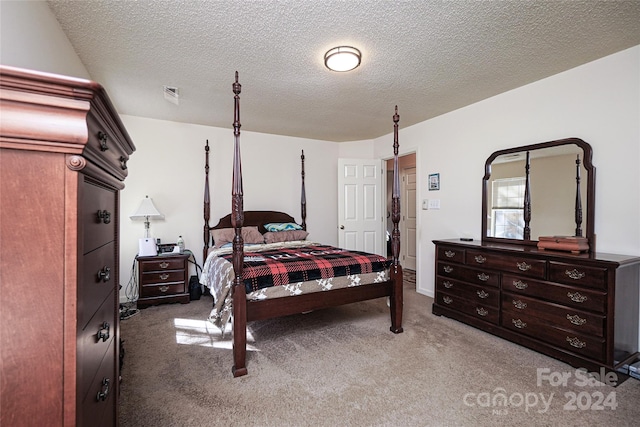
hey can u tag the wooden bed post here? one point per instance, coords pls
(527, 200)
(237, 221)
(303, 196)
(207, 207)
(396, 269)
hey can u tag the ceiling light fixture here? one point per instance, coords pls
(342, 58)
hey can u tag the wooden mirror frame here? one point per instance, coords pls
(587, 154)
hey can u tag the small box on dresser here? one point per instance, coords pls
(163, 279)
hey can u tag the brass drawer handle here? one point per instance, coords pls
(448, 269)
(519, 304)
(123, 163)
(574, 274)
(164, 276)
(103, 137)
(164, 264)
(576, 320)
(523, 266)
(576, 297)
(518, 323)
(449, 254)
(481, 311)
(447, 300)
(575, 342)
(104, 336)
(519, 284)
(447, 284)
(163, 288)
(482, 294)
(483, 277)
(480, 259)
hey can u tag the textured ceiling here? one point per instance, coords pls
(428, 57)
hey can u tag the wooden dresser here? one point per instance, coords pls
(579, 308)
(63, 160)
(163, 279)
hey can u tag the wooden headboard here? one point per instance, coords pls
(255, 219)
(251, 218)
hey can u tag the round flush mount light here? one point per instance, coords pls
(342, 58)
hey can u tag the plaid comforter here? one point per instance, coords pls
(290, 265)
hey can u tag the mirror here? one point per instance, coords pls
(545, 189)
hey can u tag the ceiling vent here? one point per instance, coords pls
(171, 94)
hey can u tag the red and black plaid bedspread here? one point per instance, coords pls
(293, 265)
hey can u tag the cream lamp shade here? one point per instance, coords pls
(147, 210)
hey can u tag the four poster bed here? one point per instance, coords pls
(259, 264)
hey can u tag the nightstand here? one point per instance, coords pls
(163, 279)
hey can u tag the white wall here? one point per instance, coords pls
(31, 37)
(598, 102)
(168, 166)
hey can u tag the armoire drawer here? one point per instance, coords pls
(479, 310)
(98, 408)
(97, 281)
(99, 212)
(95, 340)
(102, 147)
(561, 294)
(488, 295)
(589, 346)
(557, 315)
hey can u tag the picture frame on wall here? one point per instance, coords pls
(434, 181)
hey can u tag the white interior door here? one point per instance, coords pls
(408, 219)
(360, 213)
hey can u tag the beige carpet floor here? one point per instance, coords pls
(342, 367)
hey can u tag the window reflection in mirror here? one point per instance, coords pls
(552, 190)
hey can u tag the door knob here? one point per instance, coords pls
(342, 227)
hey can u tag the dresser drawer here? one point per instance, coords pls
(98, 404)
(95, 340)
(479, 277)
(99, 212)
(488, 295)
(557, 315)
(479, 310)
(521, 265)
(161, 264)
(162, 277)
(451, 254)
(162, 289)
(98, 281)
(577, 275)
(565, 295)
(592, 347)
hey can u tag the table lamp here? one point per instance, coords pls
(147, 210)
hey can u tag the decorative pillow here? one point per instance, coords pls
(284, 236)
(226, 235)
(282, 226)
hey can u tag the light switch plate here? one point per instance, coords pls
(434, 204)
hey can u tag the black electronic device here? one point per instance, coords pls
(165, 248)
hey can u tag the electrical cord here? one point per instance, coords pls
(131, 292)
